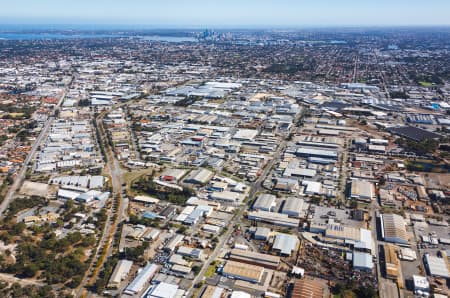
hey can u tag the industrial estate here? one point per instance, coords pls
(303, 163)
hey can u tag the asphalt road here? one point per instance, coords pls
(107, 239)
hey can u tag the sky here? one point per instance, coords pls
(227, 13)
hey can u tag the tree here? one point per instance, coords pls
(366, 291)
(338, 288)
(29, 271)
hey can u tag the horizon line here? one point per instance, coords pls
(224, 26)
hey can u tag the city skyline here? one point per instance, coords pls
(200, 13)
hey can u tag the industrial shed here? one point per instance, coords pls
(254, 258)
(307, 288)
(362, 261)
(393, 229)
(293, 207)
(199, 176)
(138, 284)
(285, 244)
(436, 266)
(121, 271)
(361, 190)
(264, 202)
(262, 233)
(236, 270)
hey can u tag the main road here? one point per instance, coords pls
(106, 242)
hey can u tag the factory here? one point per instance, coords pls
(120, 273)
(356, 237)
(293, 207)
(199, 176)
(254, 258)
(393, 229)
(277, 219)
(362, 261)
(142, 279)
(236, 270)
(361, 190)
(436, 266)
(264, 202)
(285, 244)
(312, 152)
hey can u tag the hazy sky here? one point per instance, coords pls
(202, 13)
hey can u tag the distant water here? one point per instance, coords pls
(170, 38)
(50, 36)
(55, 36)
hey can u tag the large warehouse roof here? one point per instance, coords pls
(141, 279)
(246, 256)
(362, 260)
(243, 271)
(361, 189)
(436, 266)
(201, 176)
(264, 202)
(307, 288)
(285, 243)
(393, 228)
(316, 152)
(293, 206)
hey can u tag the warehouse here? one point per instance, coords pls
(67, 194)
(245, 134)
(181, 269)
(377, 148)
(277, 219)
(199, 212)
(308, 288)
(299, 172)
(226, 196)
(422, 193)
(264, 202)
(138, 284)
(286, 184)
(293, 207)
(362, 261)
(285, 244)
(173, 175)
(199, 176)
(213, 292)
(211, 228)
(236, 270)
(146, 200)
(262, 233)
(414, 133)
(393, 229)
(436, 266)
(190, 252)
(356, 236)
(254, 258)
(391, 261)
(177, 259)
(361, 190)
(174, 242)
(312, 187)
(163, 290)
(382, 142)
(311, 152)
(120, 273)
(421, 285)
